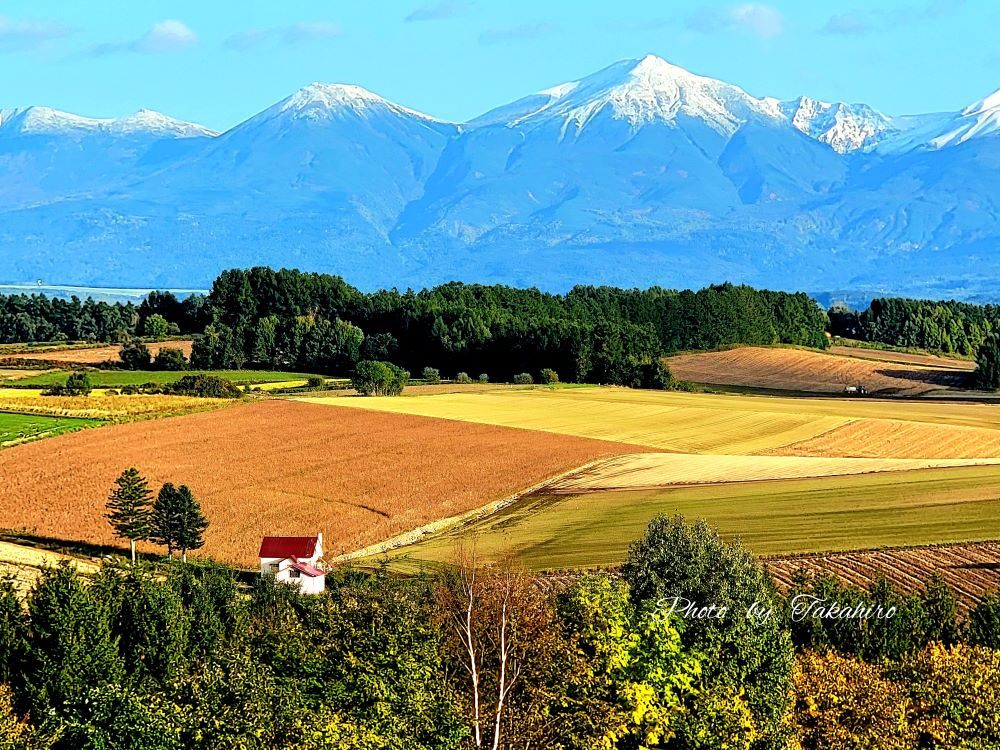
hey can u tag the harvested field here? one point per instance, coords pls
(121, 378)
(281, 467)
(17, 374)
(649, 470)
(98, 405)
(24, 564)
(905, 358)
(970, 569)
(96, 354)
(805, 370)
(874, 439)
(718, 424)
(584, 529)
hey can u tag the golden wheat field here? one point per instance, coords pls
(24, 564)
(99, 405)
(279, 467)
(806, 370)
(94, 355)
(721, 423)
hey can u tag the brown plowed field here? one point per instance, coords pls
(971, 569)
(97, 354)
(906, 358)
(803, 370)
(281, 467)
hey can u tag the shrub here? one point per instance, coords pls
(372, 378)
(171, 359)
(202, 386)
(484, 378)
(135, 356)
(463, 378)
(523, 379)
(548, 376)
(155, 327)
(315, 381)
(78, 384)
(431, 375)
(984, 622)
(111, 392)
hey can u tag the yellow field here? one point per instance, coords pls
(25, 563)
(721, 424)
(18, 374)
(98, 405)
(645, 470)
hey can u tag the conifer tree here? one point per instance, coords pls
(129, 508)
(164, 523)
(191, 522)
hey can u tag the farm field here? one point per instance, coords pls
(100, 405)
(19, 428)
(118, 378)
(24, 564)
(802, 370)
(548, 530)
(93, 355)
(281, 467)
(717, 423)
(906, 358)
(970, 569)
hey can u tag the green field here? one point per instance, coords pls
(117, 378)
(772, 517)
(18, 427)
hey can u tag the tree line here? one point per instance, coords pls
(478, 655)
(316, 322)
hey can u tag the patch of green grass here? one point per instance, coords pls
(771, 517)
(117, 378)
(20, 427)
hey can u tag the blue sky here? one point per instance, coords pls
(220, 62)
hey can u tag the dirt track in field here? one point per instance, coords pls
(280, 467)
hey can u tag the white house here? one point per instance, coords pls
(294, 560)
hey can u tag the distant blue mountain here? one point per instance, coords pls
(640, 174)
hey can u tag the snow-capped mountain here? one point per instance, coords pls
(642, 173)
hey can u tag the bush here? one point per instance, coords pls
(135, 356)
(111, 392)
(431, 375)
(463, 378)
(753, 655)
(315, 381)
(984, 622)
(201, 386)
(372, 378)
(170, 359)
(523, 379)
(484, 378)
(78, 384)
(548, 376)
(155, 327)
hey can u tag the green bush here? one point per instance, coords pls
(372, 378)
(135, 356)
(548, 376)
(202, 386)
(984, 622)
(155, 327)
(431, 375)
(315, 381)
(523, 379)
(78, 384)
(484, 378)
(169, 358)
(464, 378)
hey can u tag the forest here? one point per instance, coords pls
(169, 655)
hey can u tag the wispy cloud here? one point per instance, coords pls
(297, 33)
(439, 11)
(25, 34)
(860, 22)
(517, 33)
(758, 19)
(163, 37)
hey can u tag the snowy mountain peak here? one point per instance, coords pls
(979, 119)
(48, 121)
(319, 101)
(844, 127)
(640, 92)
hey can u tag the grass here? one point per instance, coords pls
(19, 428)
(545, 531)
(118, 378)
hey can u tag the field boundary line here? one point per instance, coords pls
(444, 524)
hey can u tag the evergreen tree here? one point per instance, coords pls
(129, 508)
(165, 519)
(191, 523)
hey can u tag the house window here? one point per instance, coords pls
(294, 573)
(274, 567)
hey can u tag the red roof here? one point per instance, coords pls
(309, 570)
(288, 546)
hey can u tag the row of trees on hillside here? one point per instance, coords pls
(288, 319)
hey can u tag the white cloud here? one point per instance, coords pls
(439, 11)
(297, 33)
(163, 37)
(27, 34)
(758, 19)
